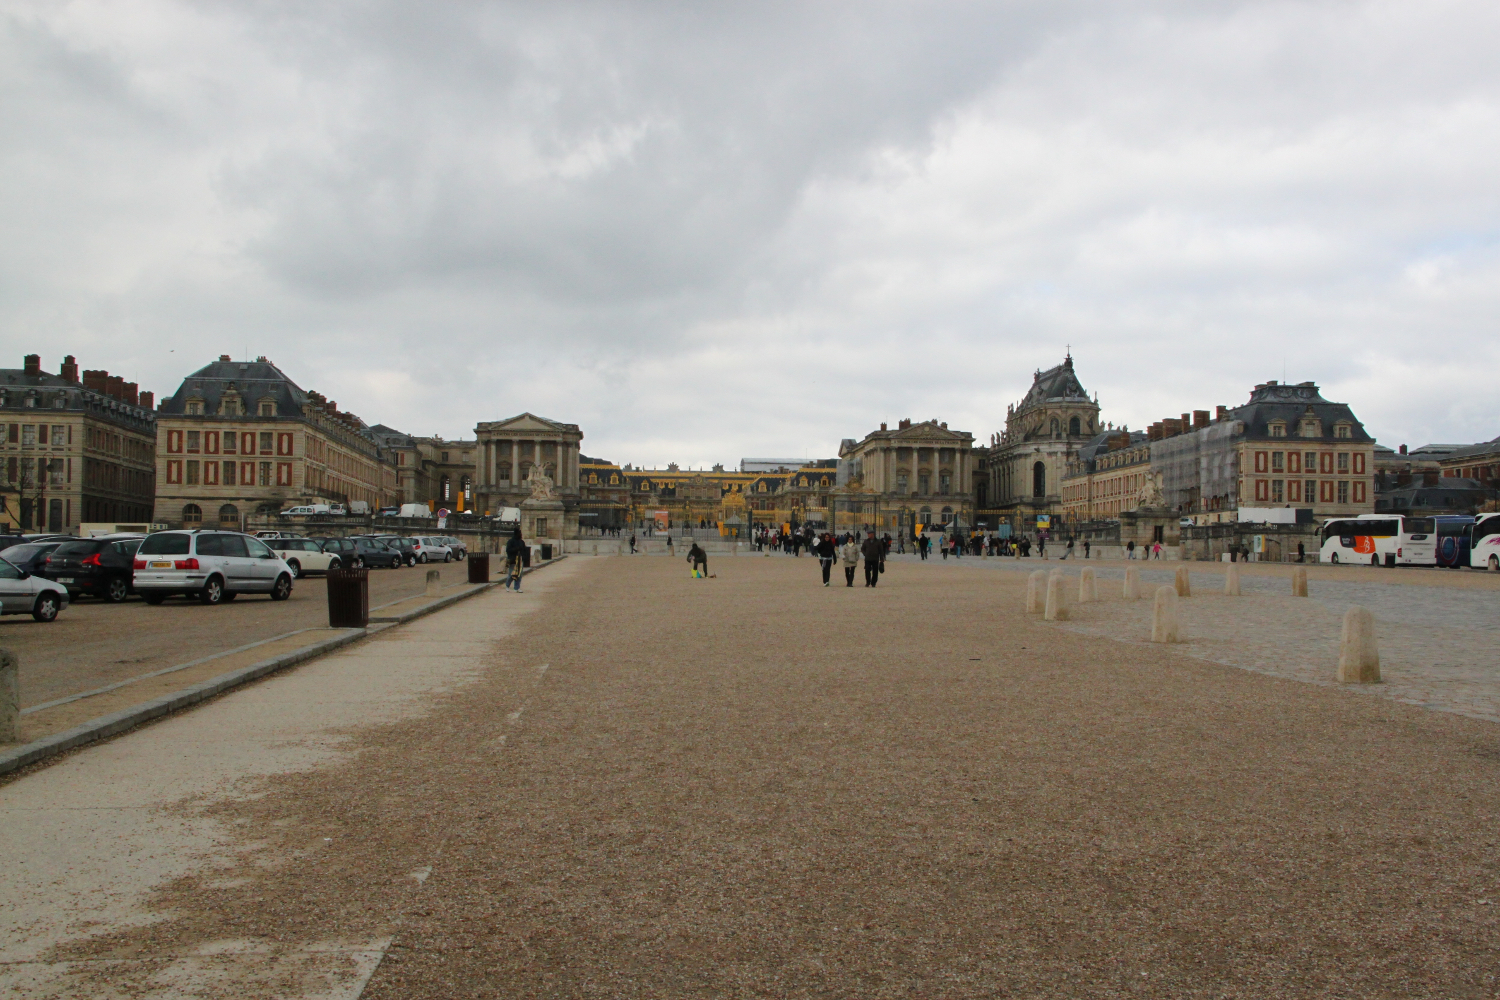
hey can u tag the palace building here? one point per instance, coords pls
(74, 450)
(241, 438)
(915, 474)
(1107, 476)
(615, 496)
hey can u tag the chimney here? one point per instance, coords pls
(262, 360)
(148, 400)
(1200, 419)
(882, 425)
(1187, 422)
(69, 369)
(33, 364)
(1171, 427)
(132, 395)
(945, 425)
(1153, 433)
(1403, 478)
(1403, 449)
(1221, 413)
(116, 387)
(224, 357)
(95, 380)
(1429, 477)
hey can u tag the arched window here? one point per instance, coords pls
(447, 489)
(1074, 428)
(1039, 479)
(614, 480)
(593, 479)
(1055, 427)
(229, 514)
(192, 514)
(467, 485)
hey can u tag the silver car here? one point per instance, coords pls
(22, 593)
(212, 566)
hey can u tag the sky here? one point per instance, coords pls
(704, 231)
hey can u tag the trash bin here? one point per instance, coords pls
(479, 567)
(348, 598)
(546, 551)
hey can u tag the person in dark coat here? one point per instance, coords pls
(874, 552)
(515, 557)
(827, 552)
(697, 557)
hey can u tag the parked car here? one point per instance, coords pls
(337, 509)
(388, 512)
(99, 567)
(359, 507)
(358, 552)
(304, 510)
(431, 549)
(28, 556)
(416, 510)
(403, 545)
(23, 593)
(457, 547)
(263, 535)
(212, 566)
(303, 556)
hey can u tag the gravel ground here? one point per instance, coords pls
(756, 786)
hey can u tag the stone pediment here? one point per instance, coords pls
(926, 432)
(524, 423)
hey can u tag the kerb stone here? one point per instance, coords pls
(1299, 582)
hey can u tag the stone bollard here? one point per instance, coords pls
(434, 583)
(1359, 657)
(1132, 584)
(1164, 615)
(1299, 582)
(1183, 584)
(1034, 590)
(1232, 580)
(1088, 587)
(10, 696)
(596, 548)
(1057, 599)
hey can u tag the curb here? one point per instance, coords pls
(115, 723)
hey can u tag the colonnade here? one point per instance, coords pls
(513, 450)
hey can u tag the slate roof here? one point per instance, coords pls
(16, 386)
(1057, 383)
(254, 380)
(1450, 493)
(1289, 403)
(1479, 450)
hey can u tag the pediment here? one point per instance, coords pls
(524, 422)
(926, 432)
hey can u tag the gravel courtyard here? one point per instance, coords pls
(752, 785)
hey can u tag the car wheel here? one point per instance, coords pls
(47, 607)
(359, 562)
(411, 560)
(153, 598)
(283, 588)
(334, 564)
(117, 589)
(212, 592)
(447, 556)
(422, 558)
(296, 569)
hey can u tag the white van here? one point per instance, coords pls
(415, 510)
(212, 566)
(359, 506)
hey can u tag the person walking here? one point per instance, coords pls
(1041, 544)
(922, 546)
(697, 557)
(1085, 548)
(849, 556)
(874, 553)
(1130, 549)
(1156, 551)
(515, 558)
(827, 552)
(632, 543)
(1070, 549)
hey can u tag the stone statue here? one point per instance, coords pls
(1151, 492)
(542, 486)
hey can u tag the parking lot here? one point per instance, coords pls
(94, 643)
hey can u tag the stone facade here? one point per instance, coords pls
(240, 438)
(506, 451)
(622, 497)
(899, 478)
(1043, 433)
(1108, 476)
(74, 451)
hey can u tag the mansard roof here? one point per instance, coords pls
(1272, 401)
(253, 380)
(1057, 384)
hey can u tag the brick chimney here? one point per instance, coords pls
(33, 364)
(1430, 477)
(882, 425)
(132, 395)
(96, 380)
(1403, 449)
(224, 357)
(1187, 422)
(1153, 433)
(69, 369)
(115, 387)
(1200, 419)
(148, 400)
(1221, 413)
(1171, 427)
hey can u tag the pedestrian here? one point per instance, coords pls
(1070, 549)
(1085, 548)
(1041, 545)
(632, 543)
(698, 558)
(922, 543)
(1130, 549)
(515, 556)
(943, 547)
(826, 554)
(1156, 551)
(874, 554)
(1300, 552)
(849, 556)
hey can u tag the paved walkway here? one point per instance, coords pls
(628, 783)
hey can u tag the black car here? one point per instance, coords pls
(358, 552)
(402, 545)
(99, 567)
(29, 556)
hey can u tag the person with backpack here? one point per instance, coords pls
(515, 560)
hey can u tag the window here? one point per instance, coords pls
(614, 480)
(265, 473)
(231, 439)
(900, 482)
(1343, 491)
(1343, 463)
(1276, 491)
(267, 408)
(192, 514)
(593, 479)
(267, 442)
(945, 482)
(192, 472)
(228, 473)
(645, 486)
(1278, 429)
(194, 408)
(1278, 461)
(1074, 427)
(59, 435)
(445, 458)
(229, 514)
(1309, 490)
(192, 441)
(1343, 431)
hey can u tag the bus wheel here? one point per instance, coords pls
(1334, 558)
(1375, 560)
(1494, 563)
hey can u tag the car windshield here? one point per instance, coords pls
(165, 544)
(81, 548)
(21, 553)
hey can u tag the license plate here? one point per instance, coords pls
(161, 565)
(65, 579)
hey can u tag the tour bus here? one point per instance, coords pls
(1452, 549)
(1484, 542)
(1380, 540)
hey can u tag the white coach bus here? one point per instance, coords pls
(1484, 542)
(1380, 540)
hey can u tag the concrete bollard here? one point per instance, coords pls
(434, 583)
(596, 548)
(1057, 599)
(1132, 584)
(1088, 587)
(10, 697)
(1232, 580)
(1164, 615)
(1183, 584)
(1299, 582)
(1034, 590)
(1359, 657)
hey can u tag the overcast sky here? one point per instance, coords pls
(709, 230)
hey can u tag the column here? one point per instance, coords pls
(515, 461)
